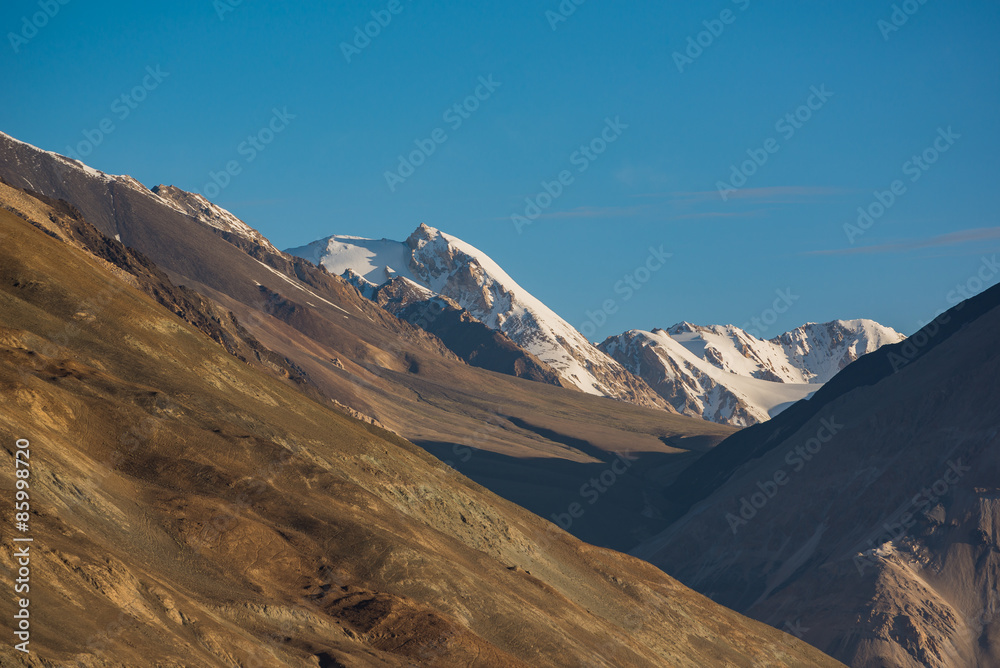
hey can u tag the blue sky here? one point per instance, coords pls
(681, 122)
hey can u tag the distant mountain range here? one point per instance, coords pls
(759, 379)
(724, 374)
(718, 373)
(462, 393)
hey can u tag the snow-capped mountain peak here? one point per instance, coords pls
(452, 268)
(724, 374)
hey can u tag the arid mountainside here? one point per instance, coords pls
(864, 519)
(533, 443)
(204, 211)
(192, 506)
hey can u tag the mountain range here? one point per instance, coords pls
(211, 485)
(718, 373)
(379, 453)
(726, 375)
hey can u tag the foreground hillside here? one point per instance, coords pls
(192, 509)
(867, 517)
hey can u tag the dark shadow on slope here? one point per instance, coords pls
(579, 444)
(616, 500)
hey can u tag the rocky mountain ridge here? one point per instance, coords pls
(724, 374)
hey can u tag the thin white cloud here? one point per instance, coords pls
(717, 214)
(774, 194)
(595, 212)
(950, 239)
(590, 212)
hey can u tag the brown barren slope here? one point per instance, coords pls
(189, 509)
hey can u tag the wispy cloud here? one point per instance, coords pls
(777, 194)
(940, 241)
(591, 212)
(596, 212)
(685, 205)
(719, 214)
